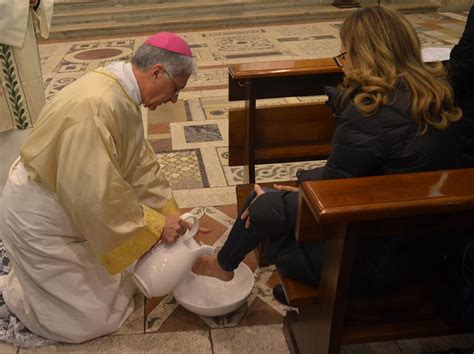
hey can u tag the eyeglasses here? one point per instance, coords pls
(340, 59)
(176, 89)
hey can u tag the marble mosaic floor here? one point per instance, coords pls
(190, 139)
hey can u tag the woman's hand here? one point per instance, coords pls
(245, 215)
(283, 188)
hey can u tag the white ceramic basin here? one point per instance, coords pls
(208, 296)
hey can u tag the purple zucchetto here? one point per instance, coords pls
(171, 42)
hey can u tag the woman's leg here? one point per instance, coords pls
(239, 243)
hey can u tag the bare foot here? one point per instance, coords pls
(208, 266)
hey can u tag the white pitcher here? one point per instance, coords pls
(164, 267)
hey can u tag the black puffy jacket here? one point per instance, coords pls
(462, 76)
(387, 142)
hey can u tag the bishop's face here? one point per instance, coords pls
(161, 87)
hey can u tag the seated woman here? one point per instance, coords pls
(393, 115)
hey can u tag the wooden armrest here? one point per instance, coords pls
(391, 196)
(390, 205)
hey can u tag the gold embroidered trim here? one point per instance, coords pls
(155, 221)
(128, 252)
(170, 208)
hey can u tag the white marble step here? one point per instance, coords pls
(214, 19)
(144, 11)
(60, 5)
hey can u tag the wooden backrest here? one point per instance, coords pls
(283, 133)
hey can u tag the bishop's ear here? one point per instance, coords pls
(156, 70)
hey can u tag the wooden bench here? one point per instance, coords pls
(342, 211)
(281, 133)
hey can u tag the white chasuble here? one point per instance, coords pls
(84, 202)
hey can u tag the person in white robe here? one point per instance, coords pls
(87, 197)
(21, 82)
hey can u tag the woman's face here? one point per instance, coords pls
(347, 63)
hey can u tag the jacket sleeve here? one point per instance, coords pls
(462, 57)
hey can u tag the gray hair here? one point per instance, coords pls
(175, 64)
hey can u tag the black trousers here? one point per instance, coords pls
(380, 265)
(275, 226)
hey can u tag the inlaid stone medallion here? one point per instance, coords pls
(101, 53)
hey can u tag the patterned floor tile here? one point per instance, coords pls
(6, 348)
(218, 108)
(315, 48)
(185, 95)
(214, 171)
(176, 342)
(202, 133)
(161, 145)
(57, 83)
(255, 339)
(150, 304)
(264, 173)
(161, 311)
(240, 43)
(167, 113)
(305, 29)
(184, 169)
(182, 320)
(260, 313)
(273, 280)
(196, 111)
(135, 324)
(212, 92)
(217, 230)
(294, 167)
(197, 134)
(159, 128)
(212, 196)
(211, 77)
(230, 210)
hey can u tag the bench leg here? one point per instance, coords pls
(319, 328)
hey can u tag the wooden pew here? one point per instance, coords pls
(283, 133)
(342, 211)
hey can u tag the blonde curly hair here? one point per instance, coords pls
(383, 49)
